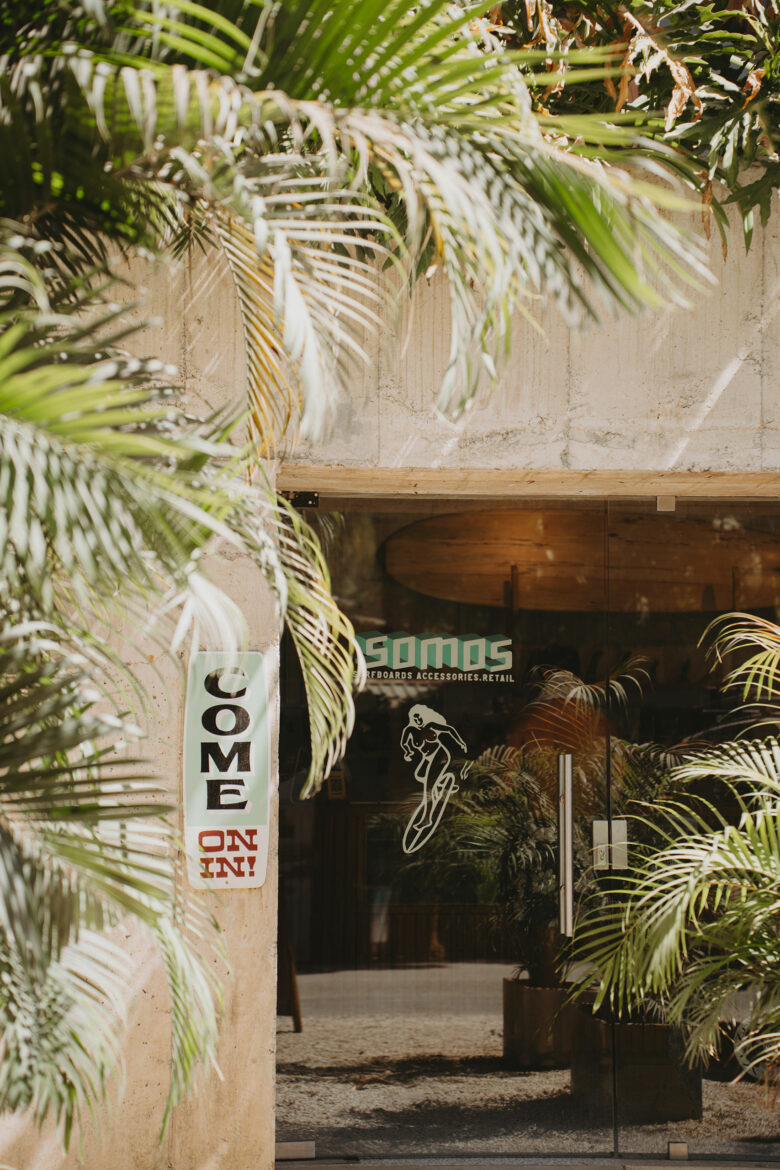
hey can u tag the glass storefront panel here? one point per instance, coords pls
(420, 888)
(670, 575)
(420, 900)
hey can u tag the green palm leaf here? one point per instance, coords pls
(757, 674)
(695, 921)
(110, 495)
(98, 474)
(750, 767)
(450, 132)
(82, 844)
(331, 661)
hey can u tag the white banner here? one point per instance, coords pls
(227, 770)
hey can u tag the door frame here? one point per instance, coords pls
(334, 482)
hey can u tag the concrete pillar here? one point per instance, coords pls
(228, 1124)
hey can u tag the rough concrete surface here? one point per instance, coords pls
(403, 1063)
(228, 1125)
(682, 389)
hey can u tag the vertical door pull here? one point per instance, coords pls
(565, 847)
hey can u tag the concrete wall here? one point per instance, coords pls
(229, 1124)
(677, 390)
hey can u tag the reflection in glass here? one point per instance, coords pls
(726, 560)
(420, 889)
(416, 901)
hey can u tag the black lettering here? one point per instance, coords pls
(218, 790)
(209, 719)
(214, 680)
(211, 753)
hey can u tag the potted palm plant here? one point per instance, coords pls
(641, 1050)
(503, 822)
(693, 927)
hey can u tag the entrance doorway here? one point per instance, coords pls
(512, 651)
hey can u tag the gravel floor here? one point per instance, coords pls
(433, 1082)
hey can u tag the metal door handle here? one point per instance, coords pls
(565, 847)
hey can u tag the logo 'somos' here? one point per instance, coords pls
(465, 653)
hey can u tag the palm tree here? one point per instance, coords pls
(315, 144)
(692, 930)
(706, 75)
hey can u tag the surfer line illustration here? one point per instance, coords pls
(430, 742)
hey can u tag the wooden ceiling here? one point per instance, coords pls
(556, 560)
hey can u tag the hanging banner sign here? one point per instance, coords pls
(429, 657)
(227, 770)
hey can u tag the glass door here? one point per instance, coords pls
(420, 922)
(672, 575)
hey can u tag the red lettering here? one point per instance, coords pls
(214, 834)
(236, 839)
(234, 864)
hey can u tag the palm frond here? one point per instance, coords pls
(61, 1030)
(194, 1022)
(82, 844)
(694, 921)
(331, 661)
(502, 757)
(95, 466)
(448, 128)
(759, 640)
(305, 301)
(751, 768)
(563, 686)
(111, 494)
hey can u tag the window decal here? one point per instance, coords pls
(430, 743)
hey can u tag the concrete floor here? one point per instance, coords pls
(406, 1063)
